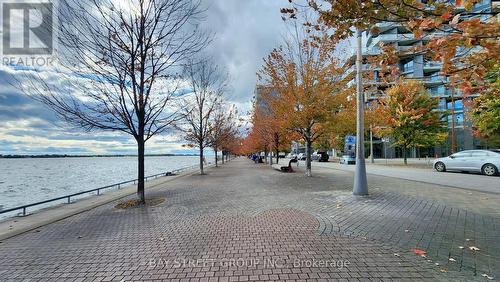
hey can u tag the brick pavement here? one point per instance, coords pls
(247, 222)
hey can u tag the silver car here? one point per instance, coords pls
(346, 159)
(484, 161)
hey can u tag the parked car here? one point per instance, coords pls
(484, 161)
(301, 157)
(347, 159)
(320, 156)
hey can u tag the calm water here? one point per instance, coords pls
(24, 181)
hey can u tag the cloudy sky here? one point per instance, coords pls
(246, 31)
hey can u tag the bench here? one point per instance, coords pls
(285, 168)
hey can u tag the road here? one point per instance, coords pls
(469, 181)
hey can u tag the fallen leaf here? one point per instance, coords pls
(460, 247)
(396, 255)
(473, 248)
(406, 230)
(452, 259)
(437, 263)
(418, 251)
(443, 270)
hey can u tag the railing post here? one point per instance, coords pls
(69, 200)
(98, 190)
(24, 211)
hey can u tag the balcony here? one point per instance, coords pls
(352, 69)
(389, 37)
(431, 65)
(434, 80)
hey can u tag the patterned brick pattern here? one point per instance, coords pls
(245, 222)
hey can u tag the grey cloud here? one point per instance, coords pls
(246, 31)
(15, 105)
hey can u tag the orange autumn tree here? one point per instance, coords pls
(303, 74)
(257, 139)
(224, 129)
(461, 34)
(266, 120)
(344, 121)
(408, 111)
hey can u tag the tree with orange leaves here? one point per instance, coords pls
(267, 122)
(461, 30)
(344, 121)
(463, 34)
(411, 121)
(304, 75)
(223, 129)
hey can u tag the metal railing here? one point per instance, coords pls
(96, 190)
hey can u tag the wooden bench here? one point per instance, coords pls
(285, 168)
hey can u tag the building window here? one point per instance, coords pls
(459, 119)
(408, 66)
(458, 105)
(437, 91)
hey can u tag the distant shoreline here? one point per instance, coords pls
(48, 156)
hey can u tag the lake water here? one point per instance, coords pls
(24, 181)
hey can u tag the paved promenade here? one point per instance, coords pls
(247, 222)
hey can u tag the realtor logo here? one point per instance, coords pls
(27, 31)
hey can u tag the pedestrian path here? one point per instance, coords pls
(246, 221)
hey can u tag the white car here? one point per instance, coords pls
(301, 157)
(484, 161)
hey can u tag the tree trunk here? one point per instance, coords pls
(404, 156)
(308, 157)
(222, 156)
(216, 161)
(201, 160)
(140, 170)
(277, 146)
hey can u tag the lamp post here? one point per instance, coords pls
(360, 184)
(372, 159)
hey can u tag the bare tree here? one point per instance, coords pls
(119, 61)
(208, 84)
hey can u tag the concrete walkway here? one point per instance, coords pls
(245, 221)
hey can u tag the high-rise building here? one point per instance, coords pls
(415, 65)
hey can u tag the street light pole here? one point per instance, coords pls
(372, 159)
(360, 183)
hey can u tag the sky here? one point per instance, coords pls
(245, 32)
